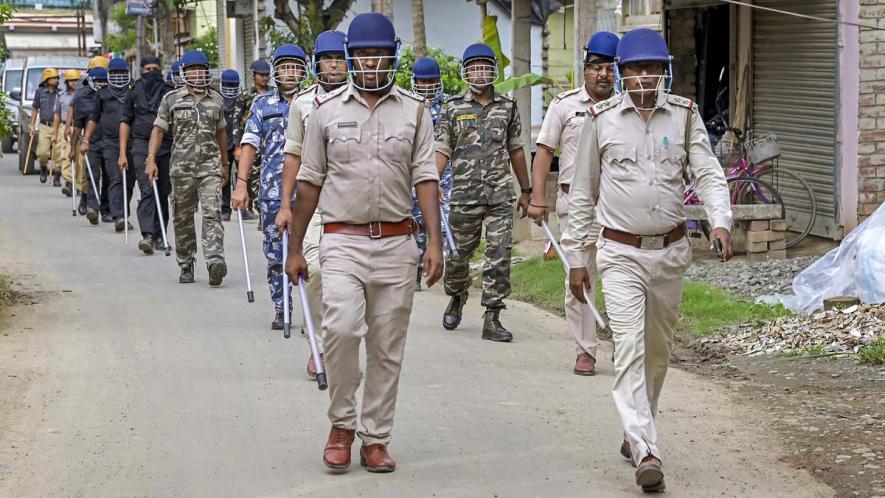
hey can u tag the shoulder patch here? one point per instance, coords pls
(322, 99)
(680, 101)
(566, 93)
(605, 105)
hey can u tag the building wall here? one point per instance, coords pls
(682, 48)
(871, 145)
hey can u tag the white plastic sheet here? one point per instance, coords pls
(855, 268)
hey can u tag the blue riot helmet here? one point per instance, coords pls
(330, 44)
(230, 84)
(643, 45)
(195, 70)
(426, 68)
(484, 71)
(97, 78)
(372, 31)
(175, 74)
(603, 44)
(118, 73)
(289, 67)
(259, 67)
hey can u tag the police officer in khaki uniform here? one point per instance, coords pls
(330, 70)
(561, 129)
(43, 110)
(632, 155)
(366, 145)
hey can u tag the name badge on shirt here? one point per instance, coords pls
(465, 117)
(580, 113)
(347, 124)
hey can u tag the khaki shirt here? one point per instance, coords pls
(629, 172)
(301, 107)
(367, 160)
(193, 124)
(562, 128)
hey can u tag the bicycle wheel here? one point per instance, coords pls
(801, 206)
(750, 190)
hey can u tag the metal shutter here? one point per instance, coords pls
(794, 97)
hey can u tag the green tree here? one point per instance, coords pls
(125, 38)
(449, 67)
(310, 18)
(5, 116)
(208, 43)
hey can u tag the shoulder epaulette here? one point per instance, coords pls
(411, 95)
(307, 90)
(680, 101)
(505, 97)
(455, 97)
(605, 105)
(322, 99)
(567, 93)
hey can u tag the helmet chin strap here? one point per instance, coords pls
(478, 89)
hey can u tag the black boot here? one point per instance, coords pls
(277, 323)
(67, 189)
(82, 206)
(146, 244)
(492, 329)
(56, 179)
(92, 216)
(452, 315)
(44, 174)
(187, 274)
(217, 271)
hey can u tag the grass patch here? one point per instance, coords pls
(799, 353)
(874, 354)
(704, 308)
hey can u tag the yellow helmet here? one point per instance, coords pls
(72, 74)
(50, 72)
(98, 61)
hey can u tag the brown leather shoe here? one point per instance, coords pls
(336, 456)
(311, 369)
(585, 365)
(649, 474)
(375, 458)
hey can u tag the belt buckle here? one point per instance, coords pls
(651, 242)
(372, 234)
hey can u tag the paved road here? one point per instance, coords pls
(120, 381)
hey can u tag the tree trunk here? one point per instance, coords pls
(383, 6)
(420, 43)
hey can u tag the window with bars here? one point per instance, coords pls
(635, 13)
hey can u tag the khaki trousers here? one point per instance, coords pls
(580, 320)
(368, 286)
(643, 290)
(311, 250)
(44, 146)
(82, 178)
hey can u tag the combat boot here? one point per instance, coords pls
(44, 174)
(187, 274)
(452, 315)
(82, 206)
(492, 330)
(92, 216)
(56, 179)
(217, 271)
(67, 189)
(277, 323)
(146, 244)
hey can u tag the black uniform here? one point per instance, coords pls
(84, 105)
(108, 112)
(230, 107)
(139, 113)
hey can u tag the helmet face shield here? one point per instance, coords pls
(479, 73)
(372, 69)
(427, 88)
(229, 91)
(289, 73)
(119, 79)
(96, 84)
(330, 69)
(196, 76)
(644, 81)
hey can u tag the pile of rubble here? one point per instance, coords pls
(749, 280)
(831, 331)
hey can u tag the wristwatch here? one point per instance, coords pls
(527, 190)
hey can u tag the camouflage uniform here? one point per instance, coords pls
(478, 139)
(445, 183)
(266, 131)
(241, 115)
(195, 171)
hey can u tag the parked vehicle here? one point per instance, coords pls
(32, 74)
(12, 82)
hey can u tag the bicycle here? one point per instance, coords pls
(753, 178)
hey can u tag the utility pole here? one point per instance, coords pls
(521, 47)
(585, 26)
(139, 44)
(221, 32)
